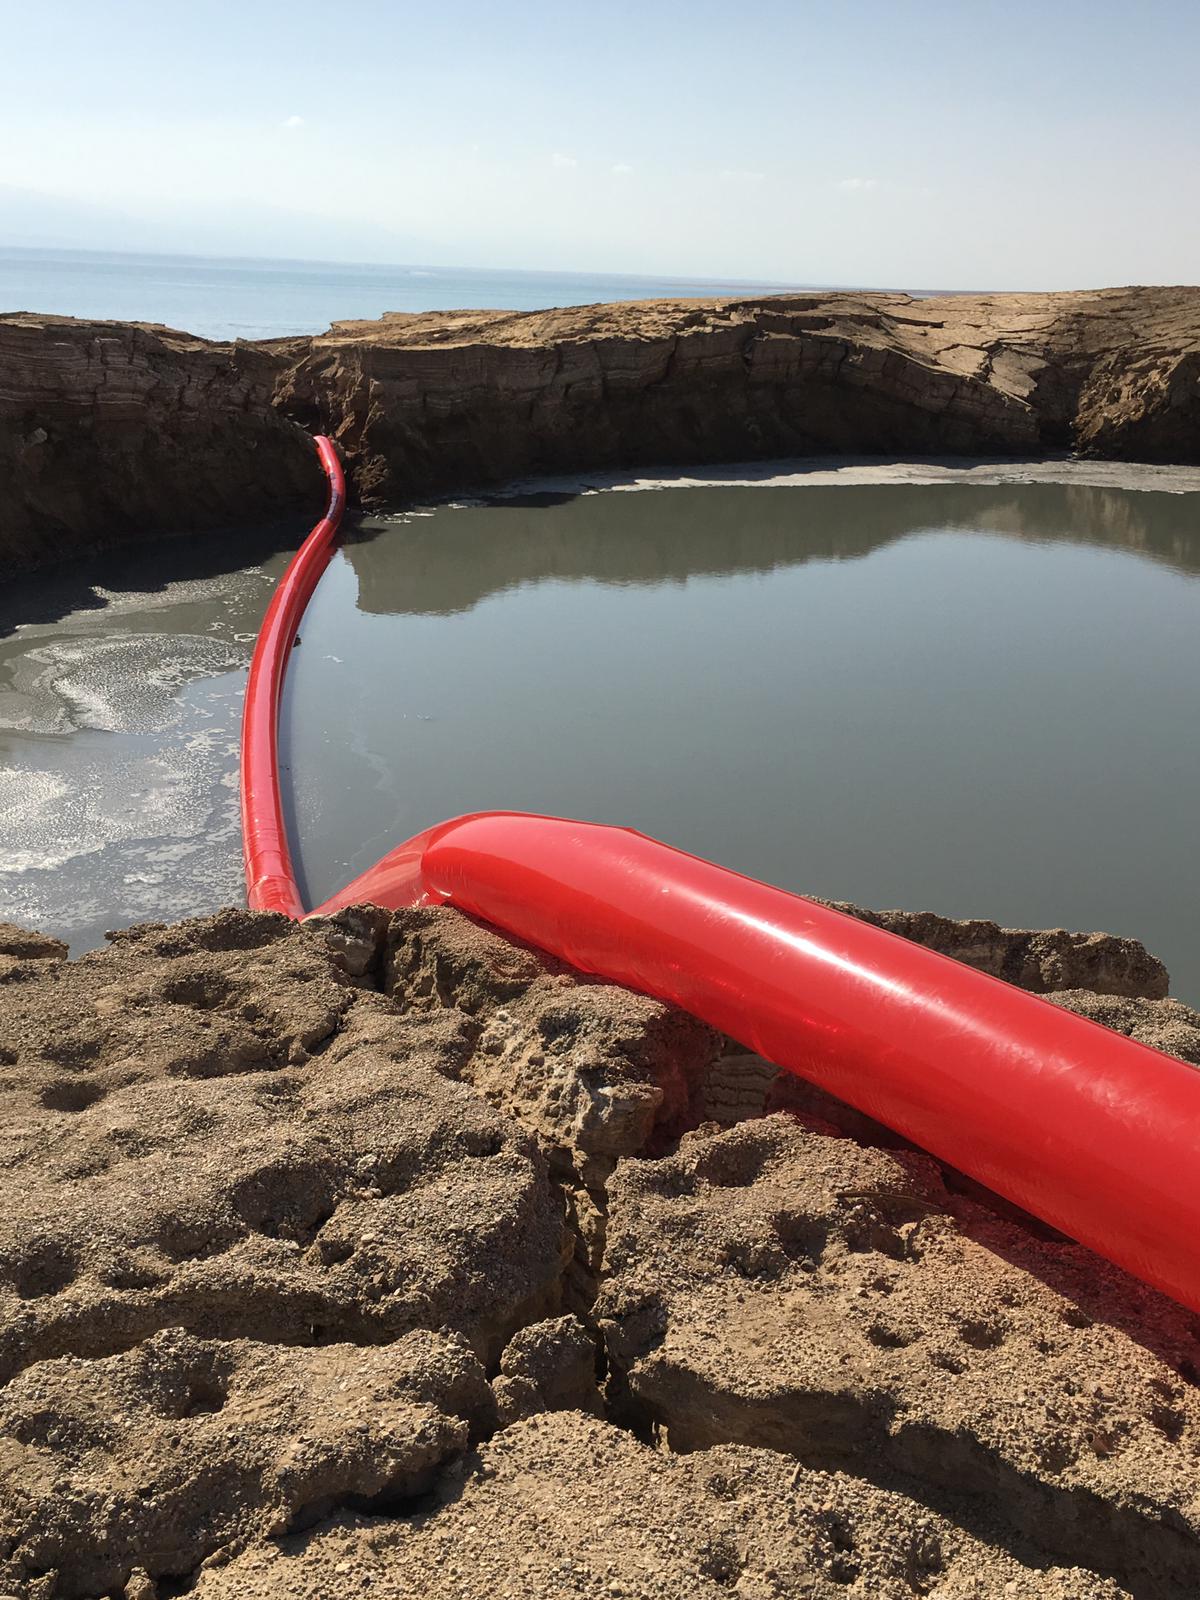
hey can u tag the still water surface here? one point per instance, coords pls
(977, 701)
(981, 701)
(121, 686)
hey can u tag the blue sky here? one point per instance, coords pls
(1052, 145)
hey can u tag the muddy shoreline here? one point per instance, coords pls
(370, 1252)
(111, 432)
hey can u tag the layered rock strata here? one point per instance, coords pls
(111, 431)
(116, 431)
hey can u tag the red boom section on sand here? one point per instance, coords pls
(1092, 1132)
(1083, 1127)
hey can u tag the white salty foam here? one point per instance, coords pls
(122, 683)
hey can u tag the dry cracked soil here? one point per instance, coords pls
(382, 1256)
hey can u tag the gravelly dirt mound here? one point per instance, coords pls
(1166, 1025)
(210, 1127)
(775, 1284)
(1040, 960)
(279, 1201)
(598, 1071)
(567, 1506)
(157, 1458)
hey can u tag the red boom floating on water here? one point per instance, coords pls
(270, 878)
(1083, 1127)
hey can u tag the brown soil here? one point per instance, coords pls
(110, 431)
(390, 1256)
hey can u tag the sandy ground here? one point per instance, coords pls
(387, 1256)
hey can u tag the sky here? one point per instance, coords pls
(1047, 145)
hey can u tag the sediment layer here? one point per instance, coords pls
(111, 431)
(382, 1252)
(116, 431)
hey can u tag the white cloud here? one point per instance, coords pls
(292, 122)
(858, 185)
(622, 169)
(563, 163)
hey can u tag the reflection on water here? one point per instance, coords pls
(978, 700)
(455, 557)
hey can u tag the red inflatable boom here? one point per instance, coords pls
(270, 880)
(1092, 1132)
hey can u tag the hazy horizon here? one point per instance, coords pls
(478, 269)
(255, 297)
(48, 249)
(992, 147)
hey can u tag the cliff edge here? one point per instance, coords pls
(111, 431)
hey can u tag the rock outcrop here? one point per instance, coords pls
(110, 430)
(383, 1254)
(1043, 961)
(116, 431)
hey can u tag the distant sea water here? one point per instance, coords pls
(251, 299)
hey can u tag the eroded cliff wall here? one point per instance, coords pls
(112, 430)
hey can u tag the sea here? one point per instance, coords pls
(260, 299)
